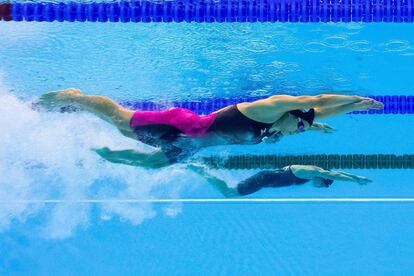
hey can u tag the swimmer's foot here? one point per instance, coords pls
(59, 98)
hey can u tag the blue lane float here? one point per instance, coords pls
(213, 11)
(392, 104)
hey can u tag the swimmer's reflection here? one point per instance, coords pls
(286, 176)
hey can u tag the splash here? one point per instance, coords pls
(45, 155)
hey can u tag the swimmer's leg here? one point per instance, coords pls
(217, 183)
(154, 159)
(103, 107)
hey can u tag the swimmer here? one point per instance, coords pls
(287, 176)
(177, 133)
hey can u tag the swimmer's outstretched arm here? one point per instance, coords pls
(154, 159)
(326, 104)
(312, 172)
(365, 104)
(217, 183)
(285, 103)
(325, 128)
(325, 112)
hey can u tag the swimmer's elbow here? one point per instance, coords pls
(319, 100)
(324, 173)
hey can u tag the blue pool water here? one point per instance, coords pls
(48, 156)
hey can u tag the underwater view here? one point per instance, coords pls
(222, 148)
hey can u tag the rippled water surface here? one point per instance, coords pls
(178, 61)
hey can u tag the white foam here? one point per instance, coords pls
(46, 154)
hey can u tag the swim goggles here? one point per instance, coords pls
(301, 125)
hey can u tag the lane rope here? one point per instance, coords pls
(212, 11)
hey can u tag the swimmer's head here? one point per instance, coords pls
(322, 182)
(296, 121)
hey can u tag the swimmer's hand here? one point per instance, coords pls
(361, 180)
(368, 103)
(314, 172)
(59, 97)
(274, 138)
(325, 128)
(217, 183)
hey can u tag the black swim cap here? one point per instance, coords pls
(307, 116)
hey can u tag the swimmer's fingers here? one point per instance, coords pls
(45, 103)
(323, 127)
(377, 105)
(373, 104)
(364, 181)
(48, 99)
(365, 104)
(361, 180)
(274, 138)
(53, 98)
(328, 129)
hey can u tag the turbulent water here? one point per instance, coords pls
(46, 155)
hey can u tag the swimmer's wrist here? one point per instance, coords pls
(359, 98)
(272, 138)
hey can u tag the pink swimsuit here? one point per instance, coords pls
(167, 128)
(183, 119)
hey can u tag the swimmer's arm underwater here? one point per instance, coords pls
(217, 183)
(285, 103)
(325, 112)
(311, 172)
(325, 128)
(275, 106)
(154, 159)
(365, 104)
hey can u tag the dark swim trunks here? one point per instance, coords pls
(164, 128)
